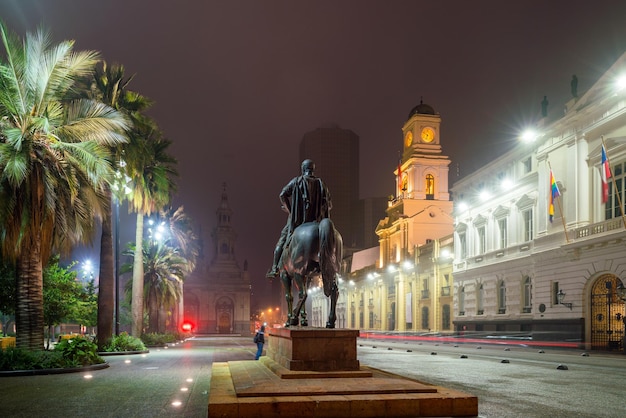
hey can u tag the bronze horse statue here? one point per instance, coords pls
(314, 248)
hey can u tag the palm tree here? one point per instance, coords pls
(184, 239)
(151, 170)
(109, 85)
(163, 274)
(182, 235)
(54, 162)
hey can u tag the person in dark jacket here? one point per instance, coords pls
(259, 339)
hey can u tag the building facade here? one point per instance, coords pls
(217, 296)
(523, 268)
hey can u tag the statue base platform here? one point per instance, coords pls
(266, 388)
(314, 349)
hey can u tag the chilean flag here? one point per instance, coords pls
(605, 174)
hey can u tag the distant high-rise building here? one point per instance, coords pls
(335, 152)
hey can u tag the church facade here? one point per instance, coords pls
(217, 296)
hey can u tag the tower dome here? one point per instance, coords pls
(421, 109)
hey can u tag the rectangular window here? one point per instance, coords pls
(462, 245)
(527, 295)
(527, 165)
(501, 297)
(502, 230)
(527, 233)
(481, 239)
(615, 182)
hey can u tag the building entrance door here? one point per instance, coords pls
(223, 324)
(225, 312)
(607, 314)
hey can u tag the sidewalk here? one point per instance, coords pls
(167, 382)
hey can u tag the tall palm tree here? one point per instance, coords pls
(163, 272)
(54, 162)
(109, 85)
(152, 171)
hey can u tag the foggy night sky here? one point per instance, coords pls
(236, 84)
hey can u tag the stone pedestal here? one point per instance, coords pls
(314, 372)
(314, 349)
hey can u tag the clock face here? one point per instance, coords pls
(408, 139)
(428, 134)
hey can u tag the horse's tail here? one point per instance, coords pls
(329, 264)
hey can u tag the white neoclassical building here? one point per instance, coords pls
(516, 270)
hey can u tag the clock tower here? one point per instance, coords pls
(421, 212)
(423, 170)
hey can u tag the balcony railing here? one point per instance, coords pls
(598, 228)
(445, 291)
(425, 294)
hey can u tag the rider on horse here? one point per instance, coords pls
(305, 198)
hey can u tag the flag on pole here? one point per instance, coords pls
(605, 174)
(554, 193)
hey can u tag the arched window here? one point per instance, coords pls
(430, 187)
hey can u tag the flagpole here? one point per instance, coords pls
(615, 192)
(559, 203)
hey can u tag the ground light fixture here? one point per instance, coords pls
(560, 296)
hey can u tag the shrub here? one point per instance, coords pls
(154, 339)
(19, 359)
(78, 352)
(124, 342)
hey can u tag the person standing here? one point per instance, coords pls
(259, 339)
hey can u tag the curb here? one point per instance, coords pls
(40, 372)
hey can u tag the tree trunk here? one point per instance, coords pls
(29, 310)
(137, 295)
(106, 289)
(153, 310)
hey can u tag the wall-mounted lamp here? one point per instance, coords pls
(560, 296)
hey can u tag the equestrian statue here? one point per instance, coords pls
(309, 245)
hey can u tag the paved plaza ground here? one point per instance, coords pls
(174, 381)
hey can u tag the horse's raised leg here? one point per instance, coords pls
(332, 316)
